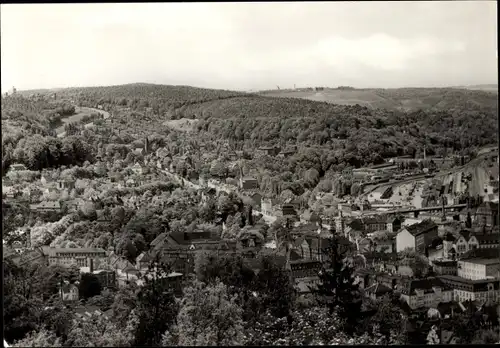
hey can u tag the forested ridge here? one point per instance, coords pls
(342, 135)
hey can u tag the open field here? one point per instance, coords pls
(80, 112)
(404, 99)
(184, 124)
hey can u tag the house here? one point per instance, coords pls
(46, 206)
(65, 184)
(416, 237)
(84, 313)
(383, 241)
(489, 240)
(478, 268)
(310, 217)
(81, 257)
(267, 205)
(137, 169)
(444, 267)
(287, 153)
(180, 248)
(486, 214)
(393, 224)
(485, 290)
(107, 278)
(248, 183)
(269, 150)
(470, 241)
(288, 210)
(11, 191)
(251, 238)
(69, 292)
(375, 223)
(144, 260)
(427, 292)
(377, 290)
(46, 177)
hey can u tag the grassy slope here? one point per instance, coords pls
(407, 99)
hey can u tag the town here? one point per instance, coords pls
(158, 215)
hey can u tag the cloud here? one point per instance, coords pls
(249, 45)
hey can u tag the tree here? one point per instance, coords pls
(208, 316)
(98, 332)
(156, 308)
(42, 338)
(89, 286)
(337, 290)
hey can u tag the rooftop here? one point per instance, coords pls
(482, 261)
(422, 227)
(465, 281)
(54, 251)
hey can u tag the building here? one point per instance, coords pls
(69, 292)
(428, 293)
(144, 260)
(180, 248)
(248, 183)
(47, 206)
(310, 217)
(444, 267)
(416, 237)
(375, 223)
(267, 206)
(393, 224)
(287, 153)
(486, 214)
(107, 278)
(377, 290)
(269, 150)
(478, 268)
(485, 290)
(81, 257)
(66, 184)
(288, 210)
(137, 169)
(470, 241)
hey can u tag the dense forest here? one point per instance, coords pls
(329, 138)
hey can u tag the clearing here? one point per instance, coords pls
(183, 124)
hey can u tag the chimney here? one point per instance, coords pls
(91, 264)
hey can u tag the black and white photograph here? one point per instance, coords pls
(250, 173)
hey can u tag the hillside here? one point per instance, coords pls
(143, 95)
(406, 99)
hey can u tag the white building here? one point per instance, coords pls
(485, 290)
(426, 293)
(478, 268)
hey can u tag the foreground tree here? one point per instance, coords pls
(208, 316)
(42, 338)
(98, 332)
(157, 307)
(337, 290)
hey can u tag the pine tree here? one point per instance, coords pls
(337, 290)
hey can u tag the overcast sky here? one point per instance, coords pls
(250, 45)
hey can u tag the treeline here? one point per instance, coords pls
(161, 98)
(38, 152)
(357, 135)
